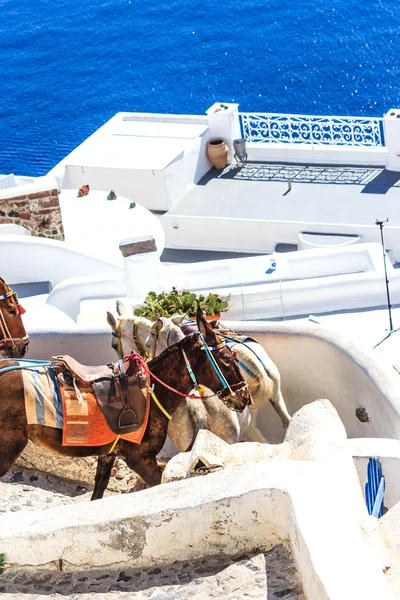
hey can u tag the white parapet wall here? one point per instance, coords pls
(313, 363)
(316, 363)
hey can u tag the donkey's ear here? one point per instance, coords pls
(121, 309)
(177, 319)
(157, 326)
(205, 328)
(111, 321)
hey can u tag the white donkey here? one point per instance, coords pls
(258, 370)
(130, 333)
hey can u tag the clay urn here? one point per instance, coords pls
(217, 152)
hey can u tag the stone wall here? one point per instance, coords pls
(39, 212)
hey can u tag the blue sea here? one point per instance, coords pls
(67, 66)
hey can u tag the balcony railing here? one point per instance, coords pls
(309, 129)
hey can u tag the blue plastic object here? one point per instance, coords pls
(374, 488)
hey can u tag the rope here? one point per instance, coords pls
(160, 406)
(145, 369)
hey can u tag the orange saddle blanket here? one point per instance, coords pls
(81, 419)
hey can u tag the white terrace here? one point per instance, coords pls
(309, 181)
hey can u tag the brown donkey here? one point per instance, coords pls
(13, 339)
(171, 367)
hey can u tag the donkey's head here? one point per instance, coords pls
(214, 365)
(13, 338)
(163, 333)
(128, 332)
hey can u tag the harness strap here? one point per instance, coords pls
(142, 349)
(246, 368)
(7, 337)
(243, 342)
(6, 334)
(190, 370)
(9, 295)
(115, 442)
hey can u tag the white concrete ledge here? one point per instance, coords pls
(241, 510)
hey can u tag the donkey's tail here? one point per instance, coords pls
(199, 418)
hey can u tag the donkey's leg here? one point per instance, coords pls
(10, 448)
(146, 466)
(104, 467)
(279, 405)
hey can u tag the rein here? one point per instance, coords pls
(32, 364)
(144, 369)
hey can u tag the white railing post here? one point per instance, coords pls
(223, 121)
(391, 123)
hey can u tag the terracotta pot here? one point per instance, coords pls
(213, 317)
(217, 152)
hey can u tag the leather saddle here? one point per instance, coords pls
(122, 398)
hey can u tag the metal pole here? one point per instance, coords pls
(380, 223)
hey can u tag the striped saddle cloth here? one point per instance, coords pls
(78, 414)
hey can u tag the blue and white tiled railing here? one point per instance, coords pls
(308, 129)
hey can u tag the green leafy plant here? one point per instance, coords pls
(1, 563)
(167, 304)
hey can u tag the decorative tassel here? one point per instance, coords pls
(21, 309)
(201, 389)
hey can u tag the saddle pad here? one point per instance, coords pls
(53, 405)
(42, 397)
(84, 421)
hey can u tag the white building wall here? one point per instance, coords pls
(147, 187)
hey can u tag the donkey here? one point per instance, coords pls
(257, 368)
(170, 368)
(13, 338)
(131, 333)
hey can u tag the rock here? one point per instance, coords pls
(177, 468)
(208, 451)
